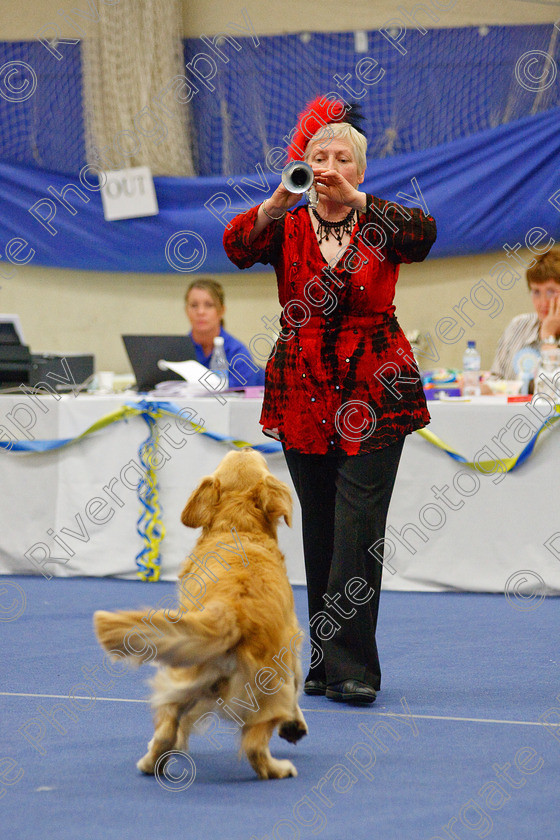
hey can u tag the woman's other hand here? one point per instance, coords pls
(334, 187)
(551, 322)
(281, 200)
(272, 209)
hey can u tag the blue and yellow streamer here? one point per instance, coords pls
(500, 465)
(149, 524)
(143, 407)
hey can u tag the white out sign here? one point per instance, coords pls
(128, 194)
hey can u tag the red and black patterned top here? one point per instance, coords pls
(342, 378)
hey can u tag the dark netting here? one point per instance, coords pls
(41, 120)
(450, 83)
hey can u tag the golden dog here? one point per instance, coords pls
(230, 649)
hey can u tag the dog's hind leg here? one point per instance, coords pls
(254, 743)
(166, 721)
(186, 723)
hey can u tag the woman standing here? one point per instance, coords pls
(342, 388)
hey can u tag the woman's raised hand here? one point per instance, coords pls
(281, 200)
(551, 323)
(272, 209)
(334, 187)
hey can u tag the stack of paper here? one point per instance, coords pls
(197, 380)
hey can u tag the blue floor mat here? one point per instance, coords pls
(454, 747)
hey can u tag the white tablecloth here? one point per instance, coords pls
(449, 527)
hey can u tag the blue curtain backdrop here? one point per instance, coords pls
(484, 190)
(448, 83)
(462, 112)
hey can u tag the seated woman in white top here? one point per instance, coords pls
(533, 329)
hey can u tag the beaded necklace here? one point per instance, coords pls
(338, 229)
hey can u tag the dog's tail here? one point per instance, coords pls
(164, 636)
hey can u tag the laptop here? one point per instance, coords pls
(145, 351)
(10, 330)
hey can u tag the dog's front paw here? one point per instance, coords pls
(292, 730)
(146, 764)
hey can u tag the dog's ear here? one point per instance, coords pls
(199, 509)
(275, 499)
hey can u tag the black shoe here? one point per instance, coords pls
(351, 691)
(315, 687)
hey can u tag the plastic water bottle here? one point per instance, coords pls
(471, 371)
(547, 374)
(219, 363)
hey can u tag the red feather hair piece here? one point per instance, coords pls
(316, 114)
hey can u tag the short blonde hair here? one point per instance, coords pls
(547, 267)
(343, 131)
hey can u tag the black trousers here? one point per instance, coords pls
(344, 501)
